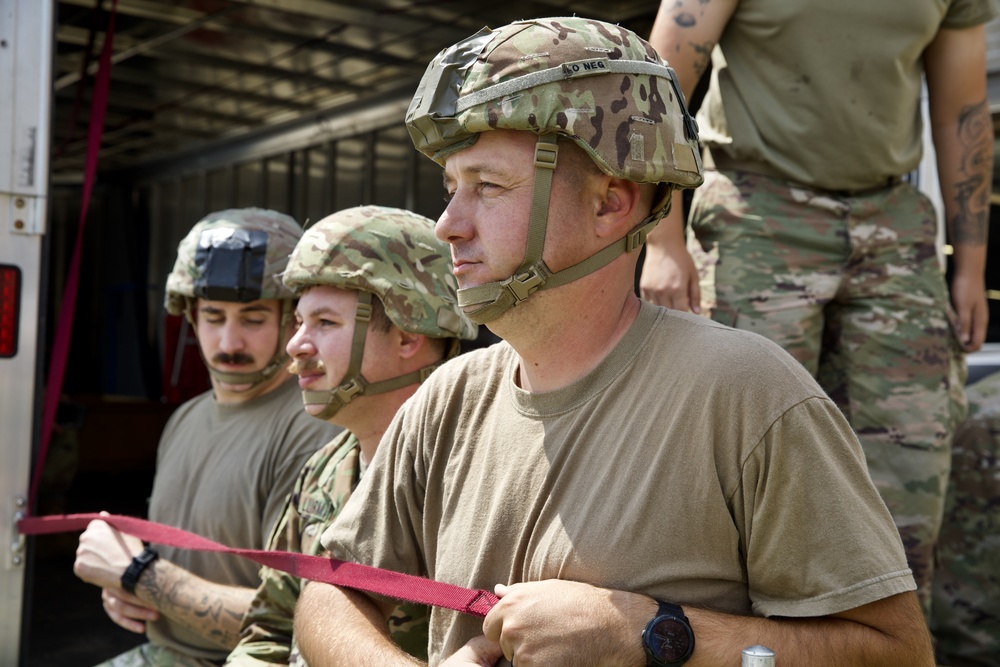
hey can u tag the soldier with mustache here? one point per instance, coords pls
(227, 459)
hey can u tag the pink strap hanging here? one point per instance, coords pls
(64, 325)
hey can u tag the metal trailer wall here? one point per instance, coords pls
(26, 28)
(310, 169)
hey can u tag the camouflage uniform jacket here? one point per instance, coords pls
(323, 486)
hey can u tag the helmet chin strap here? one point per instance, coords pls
(485, 303)
(253, 378)
(354, 384)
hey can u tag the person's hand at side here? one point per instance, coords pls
(669, 277)
(968, 297)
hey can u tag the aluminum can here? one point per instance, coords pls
(758, 656)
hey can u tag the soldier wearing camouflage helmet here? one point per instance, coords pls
(236, 256)
(391, 259)
(378, 313)
(608, 94)
(226, 459)
(639, 486)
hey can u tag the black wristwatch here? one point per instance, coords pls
(130, 577)
(668, 639)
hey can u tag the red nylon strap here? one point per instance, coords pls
(375, 580)
(64, 325)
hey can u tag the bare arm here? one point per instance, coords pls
(955, 65)
(212, 610)
(337, 626)
(684, 33)
(889, 632)
(552, 622)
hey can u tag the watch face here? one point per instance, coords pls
(670, 639)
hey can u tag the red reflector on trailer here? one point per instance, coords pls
(10, 306)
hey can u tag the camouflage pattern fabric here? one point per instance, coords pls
(966, 618)
(852, 287)
(392, 253)
(610, 93)
(151, 655)
(325, 484)
(283, 233)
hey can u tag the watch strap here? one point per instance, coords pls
(130, 577)
(670, 609)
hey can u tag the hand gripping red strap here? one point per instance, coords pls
(315, 568)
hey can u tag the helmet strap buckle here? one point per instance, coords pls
(636, 238)
(347, 391)
(523, 285)
(546, 154)
(363, 313)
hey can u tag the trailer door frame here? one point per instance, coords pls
(26, 42)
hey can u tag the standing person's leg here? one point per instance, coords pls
(893, 364)
(966, 618)
(769, 258)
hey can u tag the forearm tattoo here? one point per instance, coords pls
(969, 224)
(207, 615)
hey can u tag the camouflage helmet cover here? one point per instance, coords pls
(282, 231)
(596, 83)
(391, 253)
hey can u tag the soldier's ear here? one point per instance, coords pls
(408, 343)
(620, 203)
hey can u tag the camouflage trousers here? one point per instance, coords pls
(853, 288)
(151, 655)
(966, 619)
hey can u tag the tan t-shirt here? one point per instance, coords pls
(224, 472)
(696, 464)
(825, 93)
